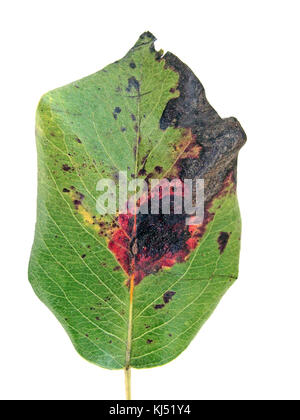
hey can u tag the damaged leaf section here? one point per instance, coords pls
(223, 240)
(145, 115)
(204, 146)
(161, 240)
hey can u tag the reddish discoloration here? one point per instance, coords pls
(187, 148)
(160, 241)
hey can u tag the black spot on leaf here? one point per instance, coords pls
(133, 83)
(168, 296)
(159, 306)
(223, 240)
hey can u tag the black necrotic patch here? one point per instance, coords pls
(66, 167)
(133, 83)
(117, 111)
(222, 241)
(168, 296)
(160, 234)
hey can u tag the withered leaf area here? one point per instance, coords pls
(133, 290)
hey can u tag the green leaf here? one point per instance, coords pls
(133, 296)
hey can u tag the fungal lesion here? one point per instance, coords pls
(222, 240)
(99, 225)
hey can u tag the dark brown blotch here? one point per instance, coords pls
(133, 83)
(223, 240)
(66, 167)
(159, 306)
(168, 296)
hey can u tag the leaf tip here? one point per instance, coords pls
(145, 39)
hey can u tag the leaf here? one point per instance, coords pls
(133, 293)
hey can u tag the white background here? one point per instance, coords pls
(246, 53)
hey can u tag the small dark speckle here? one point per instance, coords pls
(132, 65)
(170, 335)
(147, 326)
(97, 318)
(158, 169)
(222, 241)
(83, 255)
(76, 203)
(66, 167)
(92, 309)
(117, 111)
(110, 341)
(65, 190)
(168, 296)
(149, 341)
(133, 117)
(116, 268)
(78, 140)
(86, 335)
(52, 134)
(66, 319)
(76, 86)
(123, 129)
(159, 306)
